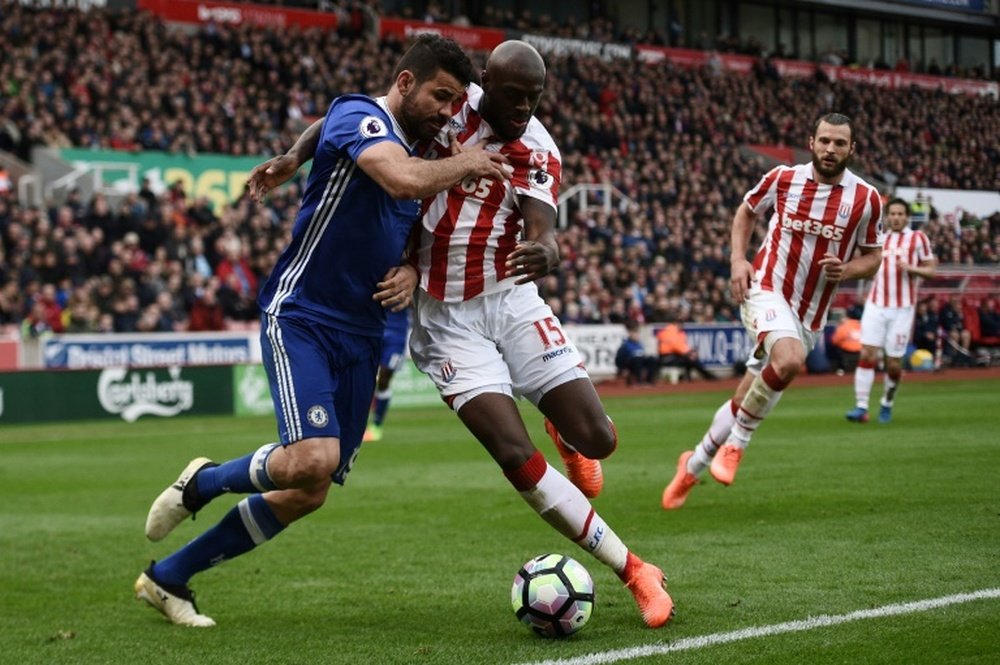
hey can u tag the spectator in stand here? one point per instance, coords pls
(957, 338)
(674, 351)
(927, 328)
(845, 343)
(989, 320)
(631, 359)
(206, 312)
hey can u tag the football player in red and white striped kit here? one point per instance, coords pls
(887, 321)
(484, 335)
(825, 228)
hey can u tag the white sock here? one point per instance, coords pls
(563, 506)
(864, 378)
(718, 432)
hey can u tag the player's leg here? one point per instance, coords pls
(493, 418)
(295, 477)
(380, 407)
(897, 340)
(864, 379)
(874, 333)
(692, 463)
(575, 410)
(301, 389)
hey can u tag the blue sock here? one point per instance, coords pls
(243, 475)
(381, 405)
(249, 524)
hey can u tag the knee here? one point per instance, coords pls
(787, 366)
(595, 438)
(291, 505)
(311, 462)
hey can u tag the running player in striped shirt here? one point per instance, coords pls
(887, 321)
(322, 314)
(825, 228)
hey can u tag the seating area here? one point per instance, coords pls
(668, 138)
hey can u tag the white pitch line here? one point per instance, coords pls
(764, 631)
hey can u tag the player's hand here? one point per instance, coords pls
(531, 260)
(740, 278)
(395, 291)
(482, 163)
(265, 177)
(904, 266)
(833, 268)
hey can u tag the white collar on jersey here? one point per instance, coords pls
(395, 124)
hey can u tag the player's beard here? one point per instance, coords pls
(829, 171)
(417, 125)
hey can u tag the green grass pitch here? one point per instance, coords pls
(412, 561)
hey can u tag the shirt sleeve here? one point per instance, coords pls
(924, 250)
(353, 125)
(538, 177)
(764, 194)
(870, 232)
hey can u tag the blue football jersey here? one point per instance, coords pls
(348, 232)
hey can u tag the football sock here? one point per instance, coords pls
(560, 503)
(718, 432)
(249, 524)
(382, 399)
(889, 392)
(864, 378)
(764, 393)
(243, 475)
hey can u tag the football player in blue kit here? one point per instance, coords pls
(397, 327)
(323, 314)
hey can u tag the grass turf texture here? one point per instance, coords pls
(412, 561)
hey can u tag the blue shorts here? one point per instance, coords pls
(394, 339)
(322, 382)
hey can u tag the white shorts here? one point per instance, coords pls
(887, 328)
(768, 317)
(508, 342)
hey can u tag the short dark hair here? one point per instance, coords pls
(898, 201)
(834, 119)
(430, 53)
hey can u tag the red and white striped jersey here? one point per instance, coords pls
(468, 231)
(893, 287)
(811, 219)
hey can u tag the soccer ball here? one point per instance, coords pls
(553, 595)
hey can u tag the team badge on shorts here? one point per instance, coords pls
(770, 315)
(317, 416)
(448, 371)
(371, 127)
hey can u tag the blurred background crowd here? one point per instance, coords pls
(667, 138)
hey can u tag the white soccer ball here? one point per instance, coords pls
(553, 595)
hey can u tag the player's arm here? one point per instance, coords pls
(740, 268)
(537, 254)
(406, 177)
(926, 269)
(280, 169)
(863, 265)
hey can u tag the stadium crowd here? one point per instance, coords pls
(670, 139)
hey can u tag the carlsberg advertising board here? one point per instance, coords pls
(115, 392)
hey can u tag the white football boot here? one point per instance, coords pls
(174, 602)
(169, 510)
